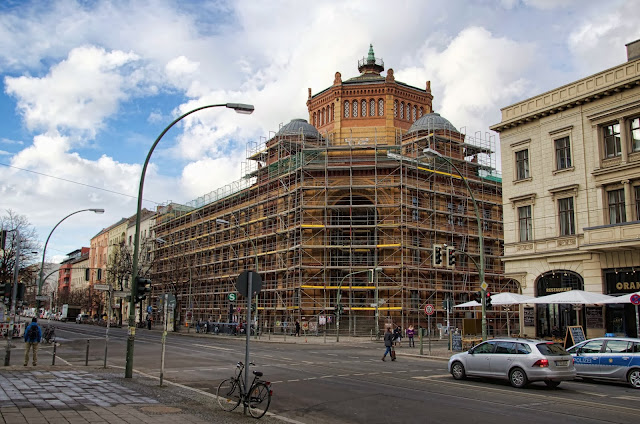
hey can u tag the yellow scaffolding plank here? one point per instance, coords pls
(380, 308)
(440, 172)
(312, 226)
(389, 245)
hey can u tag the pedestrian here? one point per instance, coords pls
(297, 328)
(149, 322)
(410, 334)
(397, 335)
(388, 343)
(32, 336)
(198, 325)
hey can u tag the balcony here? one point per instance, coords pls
(623, 236)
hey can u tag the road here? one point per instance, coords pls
(319, 383)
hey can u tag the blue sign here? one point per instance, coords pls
(149, 309)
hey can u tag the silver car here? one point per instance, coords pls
(608, 358)
(518, 360)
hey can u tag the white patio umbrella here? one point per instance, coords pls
(625, 298)
(575, 297)
(469, 304)
(510, 299)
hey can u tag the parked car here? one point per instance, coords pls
(518, 360)
(608, 358)
(83, 319)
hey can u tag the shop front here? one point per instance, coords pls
(552, 320)
(621, 317)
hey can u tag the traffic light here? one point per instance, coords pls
(437, 255)
(143, 287)
(253, 307)
(87, 274)
(488, 304)
(478, 297)
(7, 293)
(20, 294)
(339, 308)
(3, 239)
(451, 257)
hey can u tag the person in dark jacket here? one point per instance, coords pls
(32, 337)
(388, 343)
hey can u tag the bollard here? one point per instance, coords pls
(53, 359)
(421, 333)
(269, 334)
(86, 359)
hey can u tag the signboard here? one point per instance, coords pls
(149, 309)
(429, 309)
(456, 342)
(594, 317)
(242, 283)
(42, 297)
(529, 320)
(171, 301)
(101, 286)
(575, 335)
(120, 293)
(232, 297)
(622, 281)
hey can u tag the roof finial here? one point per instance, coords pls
(371, 58)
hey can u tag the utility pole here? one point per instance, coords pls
(14, 294)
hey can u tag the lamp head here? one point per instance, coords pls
(97, 210)
(241, 108)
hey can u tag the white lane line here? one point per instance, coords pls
(311, 378)
(212, 347)
(388, 372)
(360, 373)
(308, 362)
(279, 381)
(327, 376)
(343, 375)
(354, 357)
(626, 398)
(297, 379)
(287, 359)
(332, 354)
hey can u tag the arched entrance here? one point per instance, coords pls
(553, 319)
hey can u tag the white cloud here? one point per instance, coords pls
(4, 153)
(203, 176)
(78, 93)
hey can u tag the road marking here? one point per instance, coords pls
(354, 357)
(326, 376)
(332, 354)
(343, 375)
(212, 347)
(597, 394)
(297, 379)
(279, 381)
(308, 362)
(311, 378)
(360, 373)
(287, 359)
(626, 398)
(387, 372)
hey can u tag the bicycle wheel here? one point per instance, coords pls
(228, 394)
(259, 400)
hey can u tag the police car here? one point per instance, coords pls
(608, 358)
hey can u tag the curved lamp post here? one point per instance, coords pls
(238, 107)
(483, 288)
(44, 251)
(339, 296)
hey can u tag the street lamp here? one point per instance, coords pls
(339, 297)
(239, 108)
(44, 251)
(483, 287)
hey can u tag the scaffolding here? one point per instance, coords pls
(312, 214)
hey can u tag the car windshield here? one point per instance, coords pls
(551, 349)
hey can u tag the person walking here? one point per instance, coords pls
(32, 337)
(388, 343)
(297, 328)
(410, 334)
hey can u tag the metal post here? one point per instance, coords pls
(429, 332)
(637, 322)
(164, 336)
(377, 323)
(106, 335)
(190, 304)
(421, 345)
(53, 358)
(326, 321)
(86, 358)
(14, 295)
(247, 332)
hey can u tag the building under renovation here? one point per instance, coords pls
(344, 206)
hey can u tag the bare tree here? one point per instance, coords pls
(29, 247)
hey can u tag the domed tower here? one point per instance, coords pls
(368, 108)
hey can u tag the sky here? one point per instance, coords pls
(87, 86)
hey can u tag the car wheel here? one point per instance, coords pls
(634, 378)
(552, 384)
(518, 378)
(457, 370)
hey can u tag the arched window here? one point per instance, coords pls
(363, 112)
(380, 107)
(314, 119)
(372, 107)
(415, 109)
(420, 112)
(408, 111)
(346, 109)
(324, 114)
(401, 110)
(395, 108)
(355, 108)
(331, 114)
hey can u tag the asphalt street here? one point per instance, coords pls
(315, 382)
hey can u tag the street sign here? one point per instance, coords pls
(635, 299)
(171, 301)
(242, 284)
(232, 297)
(484, 285)
(101, 286)
(42, 297)
(149, 309)
(120, 293)
(429, 309)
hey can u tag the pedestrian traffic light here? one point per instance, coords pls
(3, 239)
(87, 274)
(253, 307)
(451, 257)
(7, 292)
(437, 255)
(488, 304)
(338, 308)
(20, 294)
(478, 297)
(143, 287)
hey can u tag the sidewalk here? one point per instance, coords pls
(74, 395)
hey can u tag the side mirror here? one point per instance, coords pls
(470, 352)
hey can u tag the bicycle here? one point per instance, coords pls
(232, 391)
